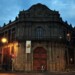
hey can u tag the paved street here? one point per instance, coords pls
(55, 73)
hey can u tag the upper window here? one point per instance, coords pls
(13, 34)
(39, 32)
(56, 32)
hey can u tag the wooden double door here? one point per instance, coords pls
(39, 59)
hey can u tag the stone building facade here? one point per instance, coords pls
(49, 36)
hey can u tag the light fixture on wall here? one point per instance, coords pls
(4, 40)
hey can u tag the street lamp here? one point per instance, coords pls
(68, 37)
(68, 34)
(4, 40)
(68, 44)
(71, 59)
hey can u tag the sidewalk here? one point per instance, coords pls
(38, 73)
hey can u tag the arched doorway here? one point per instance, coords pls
(39, 59)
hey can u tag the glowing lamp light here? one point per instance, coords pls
(68, 34)
(4, 40)
(71, 59)
(13, 56)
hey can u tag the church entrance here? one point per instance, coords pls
(39, 59)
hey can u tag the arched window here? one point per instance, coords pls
(39, 32)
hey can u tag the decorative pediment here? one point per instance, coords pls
(38, 6)
(39, 10)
